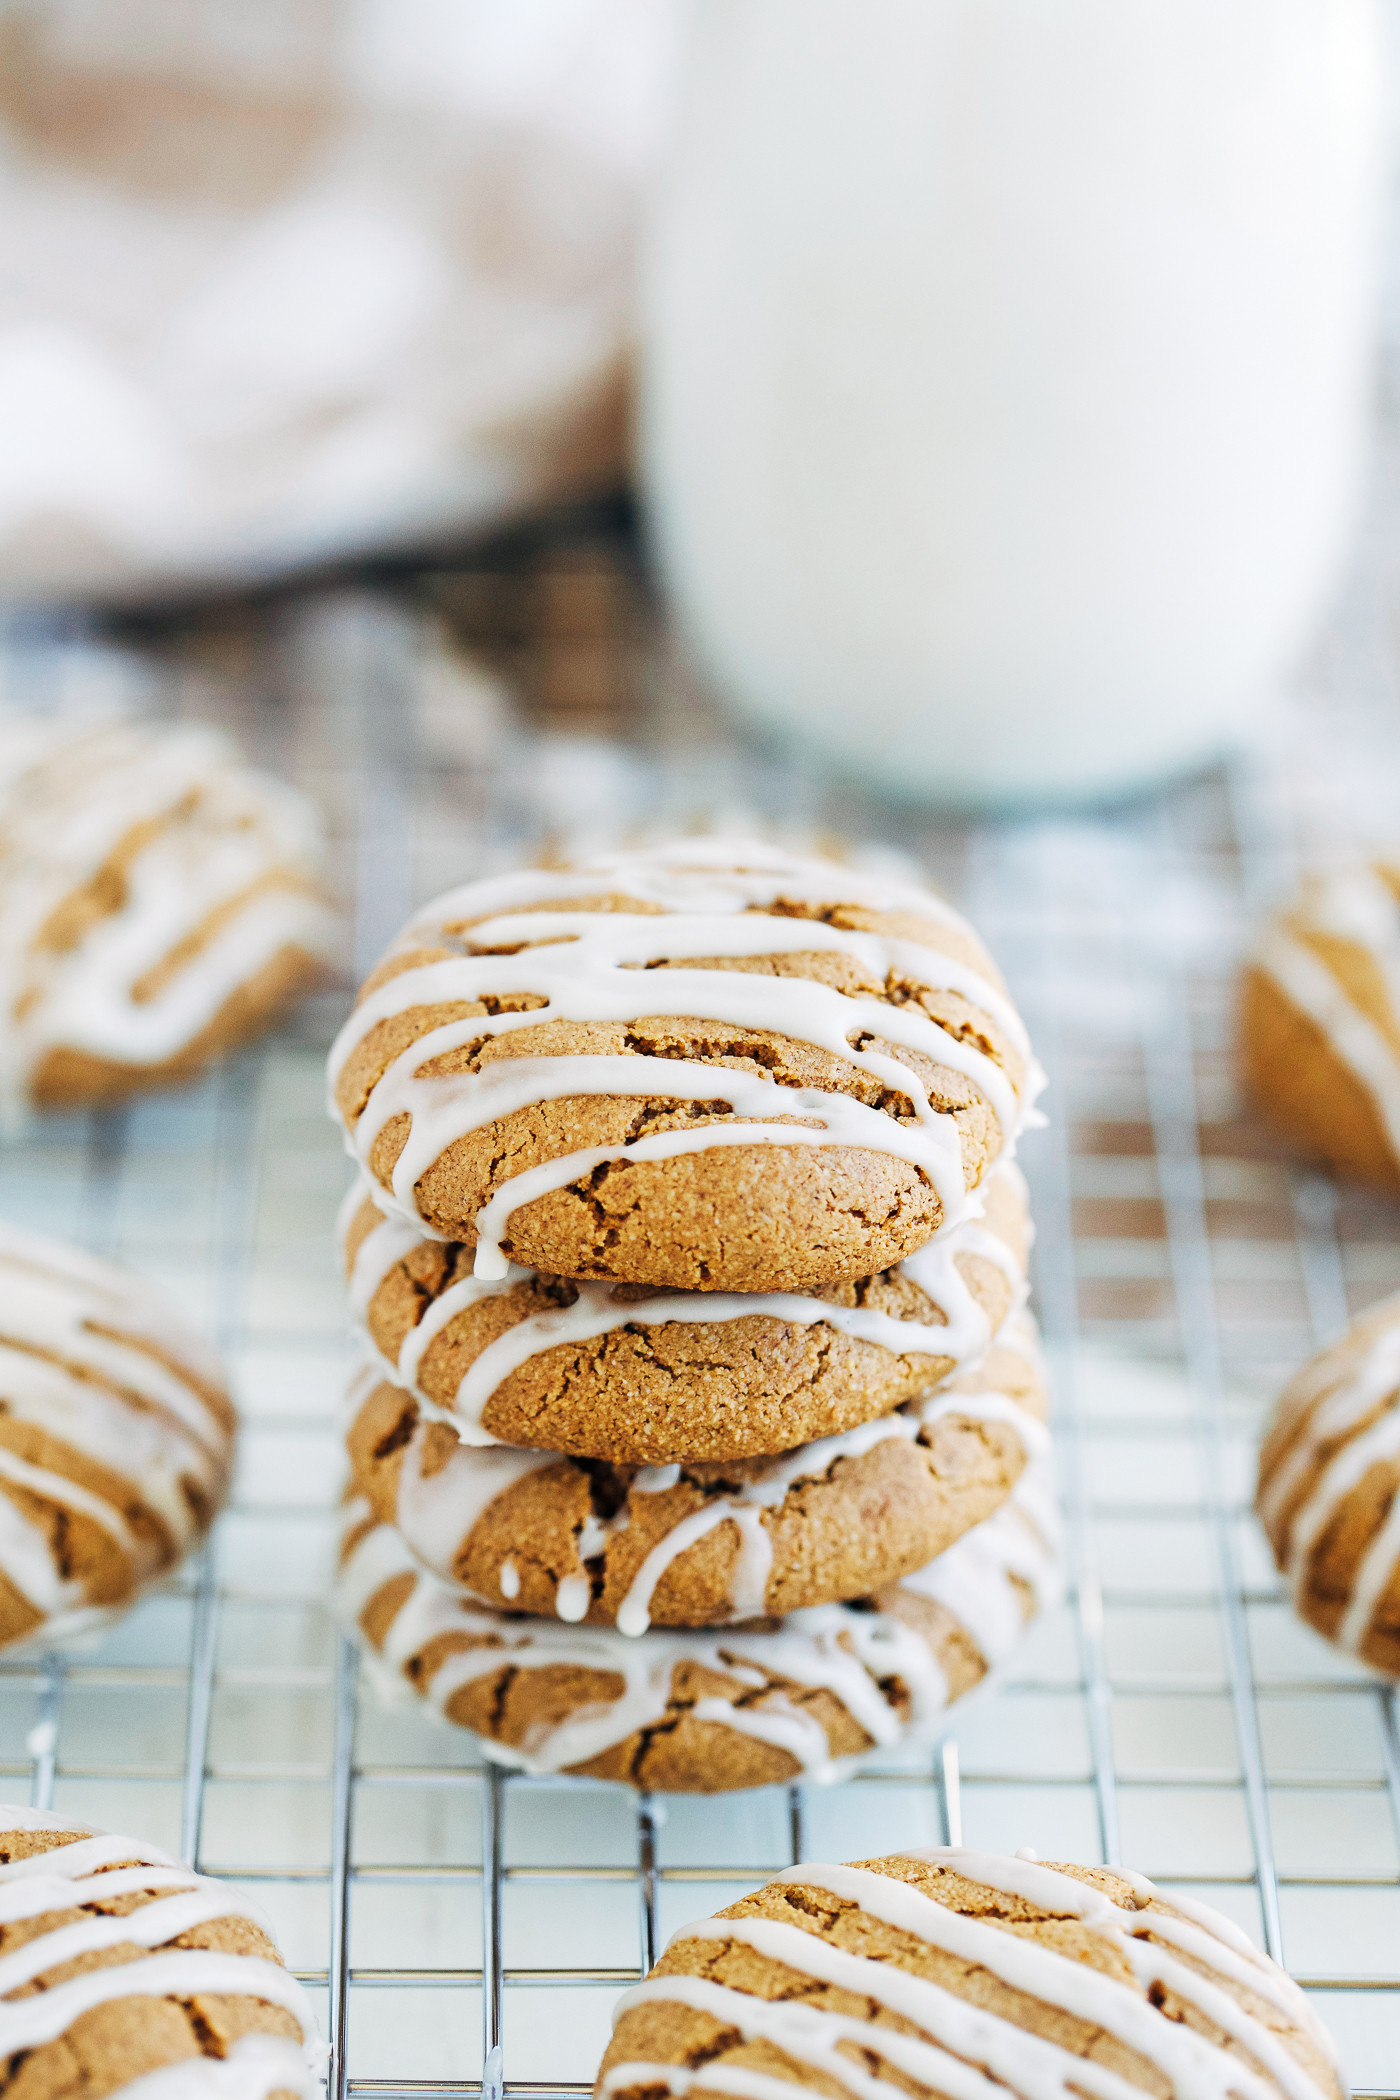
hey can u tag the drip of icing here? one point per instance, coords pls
(848, 1651)
(216, 832)
(509, 1578)
(596, 1311)
(437, 1512)
(589, 966)
(69, 1876)
(572, 1598)
(749, 1582)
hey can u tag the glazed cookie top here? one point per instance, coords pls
(1329, 1488)
(590, 1697)
(683, 975)
(704, 1544)
(145, 876)
(89, 1922)
(973, 1977)
(116, 1434)
(624, 1373)
(1336, 957)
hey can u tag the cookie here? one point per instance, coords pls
(710, 1066)
(1320, 1023)
(1329, 1489)
(708, 1544)
(118, 1964)
(620, 1373)
(969, 1976)
(116, 1438)
(807, 1696)
(158, 905)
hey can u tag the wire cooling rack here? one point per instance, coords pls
(469, 1930)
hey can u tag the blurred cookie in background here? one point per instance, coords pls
(160, 903)
(116, 1439)
(1320, 1022)
(1329, 1489)
(122, 1970)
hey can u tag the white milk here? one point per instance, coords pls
(1007, 369)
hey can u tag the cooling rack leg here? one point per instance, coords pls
(342, 1809)
(106, 1154)
(203, 1636)
(646, 1878)
(1034, 965)
(796, 1834)
(1168, 1054)
(950, 1793)
(492, 1836)
(42, 1741)
(1315, 1219)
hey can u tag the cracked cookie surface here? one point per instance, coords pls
(712, 1066)
(943, 1971)
(710, 1712)
(635, 1377)
(702, 1544)
(118, 1963)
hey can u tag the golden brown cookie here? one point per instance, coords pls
(800, 1697)
(701, 1544)
(942, 1972)
(119, 1964)
(1320, 1022)
(159, 903)
(710, 1066)
(625, 1374)
(1329, 1489)
(116, 1438)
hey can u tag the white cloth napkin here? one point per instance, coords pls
(293, 278)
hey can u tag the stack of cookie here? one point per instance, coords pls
(700, 1440)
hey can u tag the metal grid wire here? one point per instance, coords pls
(469, 1929)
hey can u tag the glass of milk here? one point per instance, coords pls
(1006, 373)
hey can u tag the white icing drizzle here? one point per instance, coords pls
(597, 1310)
(1354, 905)
(593, 967)
(970, 2053)
(436, 1516)
(1333, 1395)
(218, 830)
(847, 1650)
(72, 1875)
(105, 1397)
(438, 1512)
